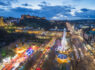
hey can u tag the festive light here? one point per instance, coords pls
(38, 68)
(29, 51)
(61, 58)
(62, 47)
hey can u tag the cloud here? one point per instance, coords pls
(7, 2)
(84, 10)
(15, 12)
(59, 17)
(50, 12)
(19, 9)
(26, 4)
(73, 11)
(85, 13)
(3, 4)
(45, 11)
(77, 0)
(44, 3)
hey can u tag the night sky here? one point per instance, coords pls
(51, 9)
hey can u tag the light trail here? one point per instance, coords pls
(76, 52)
(18, 59)
(81, 53)
(40, 61)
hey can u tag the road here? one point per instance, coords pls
(15, 62)
(42, 57)
(83, 59)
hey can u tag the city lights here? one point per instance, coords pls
(47, 35)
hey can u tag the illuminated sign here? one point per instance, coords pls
(29, 51)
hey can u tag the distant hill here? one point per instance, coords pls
(83, 21)
(34, 21)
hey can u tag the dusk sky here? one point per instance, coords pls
(51, 9)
